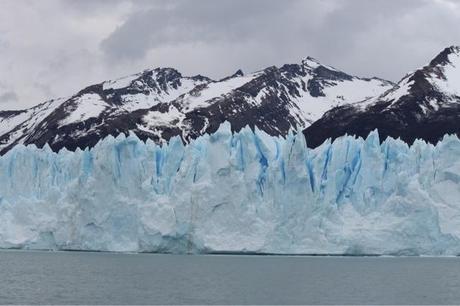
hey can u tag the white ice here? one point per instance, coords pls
(243, 192)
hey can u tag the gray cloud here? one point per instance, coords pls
(384, 38)
(66, 45)
(180, 22)
(9, 96)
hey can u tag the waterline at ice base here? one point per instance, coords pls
(244, 192)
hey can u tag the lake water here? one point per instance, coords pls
(29, 277)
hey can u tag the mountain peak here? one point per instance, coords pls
(311, 62)
(238, 73)
(443, 57)
(437, 80)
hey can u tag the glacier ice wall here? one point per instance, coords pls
(243, 192)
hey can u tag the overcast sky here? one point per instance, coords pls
(53, 48)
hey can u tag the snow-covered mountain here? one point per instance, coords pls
(161, 103)
(424, 104)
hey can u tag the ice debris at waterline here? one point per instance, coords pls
(246, 192)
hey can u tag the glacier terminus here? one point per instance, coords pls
(244, 192)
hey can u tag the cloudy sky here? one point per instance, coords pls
(53, 48)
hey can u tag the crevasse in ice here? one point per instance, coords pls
(242, 192)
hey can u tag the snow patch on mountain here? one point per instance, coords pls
(13, 128)
(449, 81)
(156, 118)
(340, 93)
(206, 94)
(141, 100)
(85, 107)
(313, 63)
(121, 82)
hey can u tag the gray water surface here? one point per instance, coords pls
(29, 277)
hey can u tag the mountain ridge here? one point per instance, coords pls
(161, 103)
(424, 104)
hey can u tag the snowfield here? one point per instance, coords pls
(243, 192)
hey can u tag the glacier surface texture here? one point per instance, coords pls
(242, 192)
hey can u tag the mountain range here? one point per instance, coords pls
(325, 102)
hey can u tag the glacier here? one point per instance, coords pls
(244, 192)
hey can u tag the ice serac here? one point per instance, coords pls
(241, 192)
